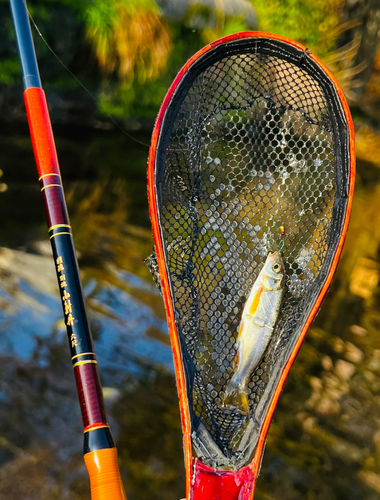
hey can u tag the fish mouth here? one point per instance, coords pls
(275, 255)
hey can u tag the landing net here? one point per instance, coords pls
(252, 156)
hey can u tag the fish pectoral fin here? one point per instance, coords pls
(261, 323)
(236, 360)
(241, 328)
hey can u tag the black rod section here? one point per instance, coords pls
(31, 75)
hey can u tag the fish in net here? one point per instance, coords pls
(252, 153)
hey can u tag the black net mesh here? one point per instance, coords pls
(252, 156)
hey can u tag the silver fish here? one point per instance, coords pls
(256, 327)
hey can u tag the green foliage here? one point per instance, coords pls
(138, 99)
(234, 25)
(310, 22)
(10, 71)
(201, 25)
(129, 37)
(131, 74)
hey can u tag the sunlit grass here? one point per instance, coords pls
(128, 37)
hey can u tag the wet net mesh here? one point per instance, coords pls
(252, 156)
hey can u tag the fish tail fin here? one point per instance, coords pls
(235, 396)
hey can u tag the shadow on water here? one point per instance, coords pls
(324, 442)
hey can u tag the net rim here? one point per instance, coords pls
(158, 242)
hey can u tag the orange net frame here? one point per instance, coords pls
(252, 153)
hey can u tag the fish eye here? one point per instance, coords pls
(276, 268)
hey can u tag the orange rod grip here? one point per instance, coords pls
(104, 473)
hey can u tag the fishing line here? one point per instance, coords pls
(96, 101)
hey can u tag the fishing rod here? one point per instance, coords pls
(100, 454)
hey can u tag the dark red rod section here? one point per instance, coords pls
(99, 446)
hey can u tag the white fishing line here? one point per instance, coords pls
(96, 101)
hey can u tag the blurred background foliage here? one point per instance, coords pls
(127, 52)
(324, 442)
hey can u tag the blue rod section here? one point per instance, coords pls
(31, 75)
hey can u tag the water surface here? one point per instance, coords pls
(324, 442)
